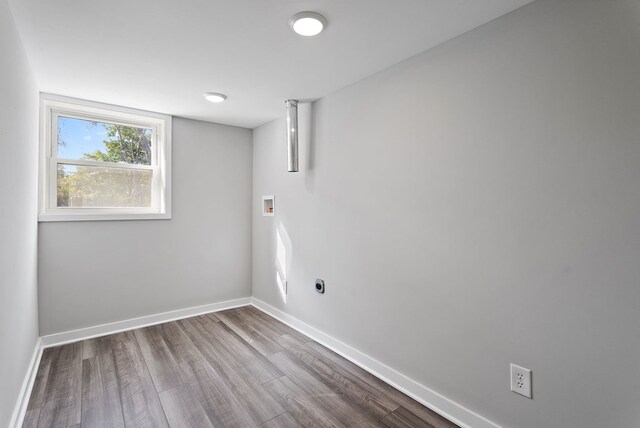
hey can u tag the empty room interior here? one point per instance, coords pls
(320, 213)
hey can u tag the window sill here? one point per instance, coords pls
(44, 218)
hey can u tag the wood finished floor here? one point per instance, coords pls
(236, 368)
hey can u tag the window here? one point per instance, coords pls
(101, 162)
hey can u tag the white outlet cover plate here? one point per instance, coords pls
(521, 380)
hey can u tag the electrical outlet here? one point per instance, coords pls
(521, 380)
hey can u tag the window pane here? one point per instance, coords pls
(103, 187)
(101, 141)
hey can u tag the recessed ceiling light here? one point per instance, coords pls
(308, 23)
(214, 97)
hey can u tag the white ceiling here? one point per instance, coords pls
(161, 55)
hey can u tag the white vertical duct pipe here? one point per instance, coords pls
(292, 134)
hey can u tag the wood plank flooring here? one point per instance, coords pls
(235, 368)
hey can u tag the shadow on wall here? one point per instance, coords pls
(305, 129)
(283, 259)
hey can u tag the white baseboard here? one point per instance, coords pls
(27, 385)
(130, 324)
(437, 402)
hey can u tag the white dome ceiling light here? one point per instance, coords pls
(214, 97)
(308, 23)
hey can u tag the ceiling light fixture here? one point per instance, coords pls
(214, 97)
(308, 23)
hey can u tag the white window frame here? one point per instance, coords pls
(52, 106)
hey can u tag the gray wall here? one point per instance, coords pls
(477, 205)
(97, 272)
(18, 210)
